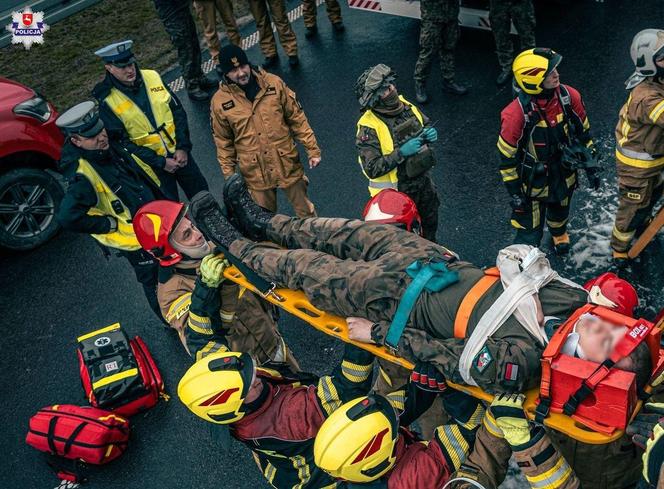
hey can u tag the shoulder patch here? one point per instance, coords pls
(270, 90)
(511, 372)
(483, 359)
(228, 105)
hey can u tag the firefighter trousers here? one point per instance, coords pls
(529, 225)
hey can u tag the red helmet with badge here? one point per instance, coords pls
(611, 291)
(153, 224)
(392, 207)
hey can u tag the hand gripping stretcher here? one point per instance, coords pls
(587, 392)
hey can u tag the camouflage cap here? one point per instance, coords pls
(370, 84)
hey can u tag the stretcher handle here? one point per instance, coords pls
(296, 303)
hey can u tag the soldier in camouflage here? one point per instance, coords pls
(439, 34)
(501, 15)
(358, 270)
(394, 144)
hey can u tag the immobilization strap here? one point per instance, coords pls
(434, 276)
(264, 287)
(470, 300)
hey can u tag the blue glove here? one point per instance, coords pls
(430, 135)
(411, 147)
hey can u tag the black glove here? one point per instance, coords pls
(593, 178)
(428, 378)
(519, 203)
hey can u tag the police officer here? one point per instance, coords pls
(107, 185)
(139, 110)
(501, 15)
(439, 34)
(180, 26)
(394, 144)
(256, 119)
(544, 139)
(309, 14)
(640, 142)
(264, 18)
(207, 13)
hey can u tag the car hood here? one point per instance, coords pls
(12, 93)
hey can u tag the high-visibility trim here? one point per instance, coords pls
(180, 305)
(505, 148)
(559, 119)
(625, 132)
(109, 449)
(623, 236)
(210, 348)
(303, 473)
(571, 180)
(556, 224)
(132, 372)
(471, 299)
(474, 420)
(226, 316)
(491, 425)
(455, 445)
(509, 174)
(516, 225)
(269, 472)
(536, 214)
(199, 324)
(638, 160)
(328, 395)
(656, 112)
(112, 416)
(354, 372)
(382, 185)
(552, 478)
(384, 375)
(397, 399)
(539, 192)
(107, 329)
(586, 124)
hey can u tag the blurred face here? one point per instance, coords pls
(598, 338)
(255, 389)
(389, 91)
(552, 80)
(240, 75)
(186, 235)
(98, 142)
(125, 75)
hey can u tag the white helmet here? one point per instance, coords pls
(647, 47)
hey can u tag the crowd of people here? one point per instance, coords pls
(128, 151)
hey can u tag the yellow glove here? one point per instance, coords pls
(507, 409)
(212, 270)
(653, 458)
(647, 431)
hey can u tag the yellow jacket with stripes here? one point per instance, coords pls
(640, 129)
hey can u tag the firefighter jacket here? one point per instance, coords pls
(532, 133)
(640, 130)
(258, 138)
(106, 184)
(210, 320)
(147, 117)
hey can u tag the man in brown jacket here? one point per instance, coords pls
(255, 119)
(640, 142)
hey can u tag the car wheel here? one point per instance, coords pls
(29, 201)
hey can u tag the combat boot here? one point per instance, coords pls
(450, 86)
(271, 61)
(252, 218)
(421, 92)
(504, 77)
(293, 61)
(338, 27)
(211, 221)
(561, 244)
(310, 32)
(195, 92)
(207, 83)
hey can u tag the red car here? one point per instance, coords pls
(30, 144)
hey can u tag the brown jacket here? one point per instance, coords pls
(258, 138)
(640, 130)
(246, 323)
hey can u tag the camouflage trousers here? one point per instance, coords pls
(309, 12)
(423, 192)
(437, 37)
(501, 15)
(346, 267)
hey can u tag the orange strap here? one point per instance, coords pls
(491, 276)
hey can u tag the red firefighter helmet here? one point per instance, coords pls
(153, 224)
(611, 291)
(392, 207)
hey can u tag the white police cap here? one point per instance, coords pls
(82, 119)
(118, 53)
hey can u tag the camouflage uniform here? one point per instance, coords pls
(439, 34)
(353, 268)
(374, 164)
(501, 15)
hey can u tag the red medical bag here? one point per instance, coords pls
(117, 373)
(92, 435)
(597, 396)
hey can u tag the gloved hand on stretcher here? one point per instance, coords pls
(212, 270)
(647, 431)
(507, 409)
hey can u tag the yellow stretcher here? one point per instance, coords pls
(297, 304)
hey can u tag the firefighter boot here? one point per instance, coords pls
(252, 218)
(211, 221)
(561, 244)
(620, 259)
(421, 92)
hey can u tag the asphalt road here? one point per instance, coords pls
(53, 294)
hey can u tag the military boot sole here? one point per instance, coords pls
(251, 218)
(211, 221)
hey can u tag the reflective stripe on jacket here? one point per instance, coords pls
(139, 128)
(371, 120)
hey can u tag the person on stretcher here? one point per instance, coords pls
(362, 271)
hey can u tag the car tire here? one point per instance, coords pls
(29, 202)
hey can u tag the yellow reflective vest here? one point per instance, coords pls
(123, 238)
(371, 120)
(141, 131)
